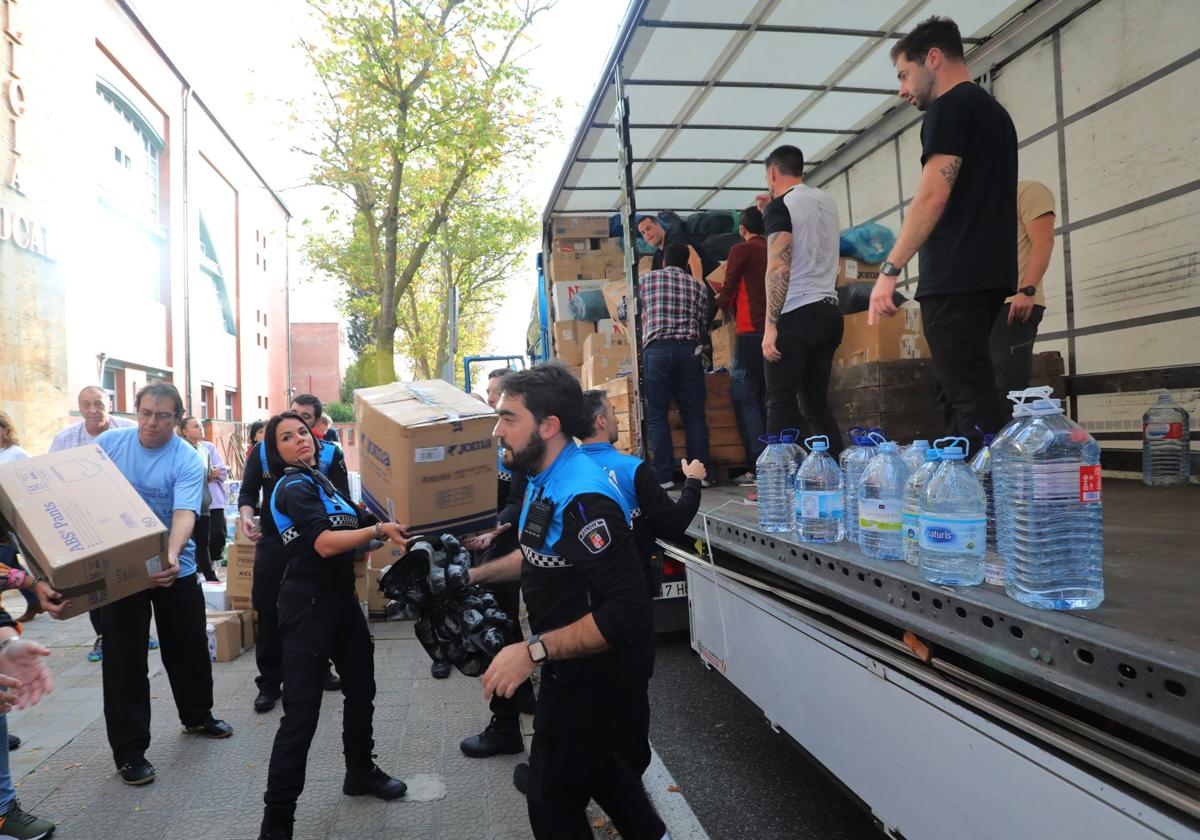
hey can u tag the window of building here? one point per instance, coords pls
(206, 402)
(267, 403)
(264, 319)
(260, 400)
(264, 342)
(211, 266)
(133, 176)
(229, 405)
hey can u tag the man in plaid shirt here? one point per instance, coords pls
(674, 307)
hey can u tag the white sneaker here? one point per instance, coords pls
(746, 478)
(667, 485)
(705, 483)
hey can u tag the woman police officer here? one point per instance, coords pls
(319, 619)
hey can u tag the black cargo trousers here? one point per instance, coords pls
(320, 619)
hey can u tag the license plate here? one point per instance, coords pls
(674, 589)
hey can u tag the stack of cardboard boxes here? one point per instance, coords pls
(238, 619)
(605, 356)
(586, 268)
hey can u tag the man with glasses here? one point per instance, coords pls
(169, 476)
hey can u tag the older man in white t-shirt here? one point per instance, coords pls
(94, 406)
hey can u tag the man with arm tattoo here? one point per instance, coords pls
(962, 221)
(803, 325)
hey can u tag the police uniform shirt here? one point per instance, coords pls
(302, 510)
(587, 561)
(654, 513)
(256, 477)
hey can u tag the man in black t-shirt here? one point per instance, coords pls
(962, 220)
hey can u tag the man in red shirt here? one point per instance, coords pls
(744, 294)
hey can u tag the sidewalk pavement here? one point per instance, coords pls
(213, 789)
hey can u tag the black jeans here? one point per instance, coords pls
(264, 597)
(748, 391)
(179, 615)
(508, 596)
(581, 745)
(217, 534)
(200, 536)
(958, 327)
(672, 370)
(1012, 349)
(798, 384)
(320, 620)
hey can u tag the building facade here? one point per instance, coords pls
(137, 242)
(316, 360)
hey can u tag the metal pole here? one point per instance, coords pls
(637, 418)
(451, 320)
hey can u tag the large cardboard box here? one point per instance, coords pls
(601, 344)
(851, 270)
(426, 456)
(579, 300)
(608, 246)
(224, 636)
(568, 340)
(616, 300)
(239, 569)
(716, 277)
(577, 227)
(82, 525)
(583, 265)
(724, 338)
(603, 367)
(889, 340)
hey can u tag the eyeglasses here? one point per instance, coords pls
(160, 416)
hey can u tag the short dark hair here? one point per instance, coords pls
(548, 390)
(677, 255)
(752, 220)
(789, 160)
(594, 405)
(183, 421)
(275, 464)
(309, 400)
(255, 427)
(492, 374)
(160, 391)
(940, 32)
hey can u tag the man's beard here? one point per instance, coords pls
(529, 458)
(612, 433)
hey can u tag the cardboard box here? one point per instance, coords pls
(609, 246)
(584, 265)
(579, 300)
(599, 369)
(215, 597)
(724, 339)
(577, 372)
(577, 227)
(891, 339)
(645, 264)
(240, 603)
(376, 601)
(80, 523)
(239, 536)
(716, 277)
(568, 340)
(249, 628)
(224, 636)
(604, 344)
(239, 570)
(851, 270)
(606, 325)
(615, 274)
(616, 296)
(426, 456)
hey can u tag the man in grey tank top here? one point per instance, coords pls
(804, 324)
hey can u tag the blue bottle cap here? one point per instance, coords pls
(949, 448)
(817, 443)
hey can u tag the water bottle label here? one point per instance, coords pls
(880, 515)
(954, 534)
(1162, 431)
(912, 528)
(821, 504)
(1089, 484)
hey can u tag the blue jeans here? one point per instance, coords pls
(748, 391)
(7, 792)
(673, 370)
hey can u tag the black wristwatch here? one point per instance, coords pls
(537, 648)
(1028, 291)
(889, 270)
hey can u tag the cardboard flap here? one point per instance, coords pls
(414, 404)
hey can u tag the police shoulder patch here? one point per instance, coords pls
(595, 536)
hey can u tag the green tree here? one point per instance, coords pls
(423, 101)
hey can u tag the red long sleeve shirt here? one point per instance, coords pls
(744, 290)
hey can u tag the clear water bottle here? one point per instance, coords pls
(912, 506)
(998, 453)
(1055, 508)
(775, 475)
(1166, 443)
(981, 464)
(788, 438)
(854, 462)
(953, 520)
(820, 499)
(914, 454)
(881, 503)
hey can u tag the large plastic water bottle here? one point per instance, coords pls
(1056, 513)
(998, 453)
(854, 462)
(881, 503)
(820, 499)
(775, 474)
(789, 438)
(1166, 443)
(981, 464)
(912, 506)
(953, 520)
(914, 454)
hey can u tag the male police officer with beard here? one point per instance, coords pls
(588, 609)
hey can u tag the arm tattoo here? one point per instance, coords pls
(779, 271)
(950, 171)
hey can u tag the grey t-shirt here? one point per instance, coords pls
(810, 216)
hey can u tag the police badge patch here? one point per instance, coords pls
(595, 536)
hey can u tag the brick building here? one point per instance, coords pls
(137, 242)
(316, 360)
